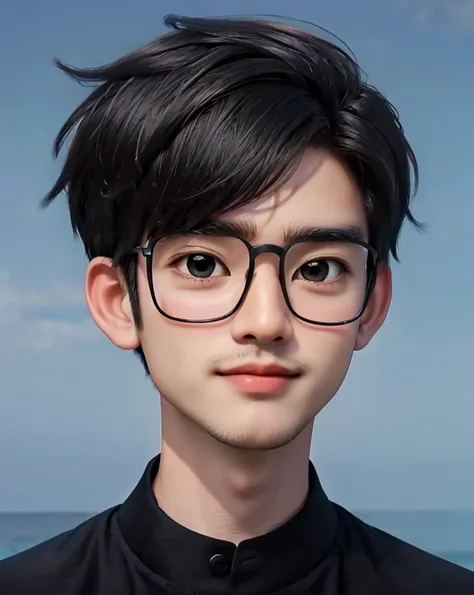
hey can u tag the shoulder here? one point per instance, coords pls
(397, 567)
(61, 564)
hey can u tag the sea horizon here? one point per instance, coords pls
(447, 533)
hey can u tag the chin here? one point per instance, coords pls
(259, 436)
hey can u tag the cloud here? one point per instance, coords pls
(455, 14)
(13, 296)
(41, 318)
(41, 335)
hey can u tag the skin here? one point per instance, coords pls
(244, 460)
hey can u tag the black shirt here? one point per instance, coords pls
(136, 549)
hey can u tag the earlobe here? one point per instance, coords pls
(109, 304)
(377, 308)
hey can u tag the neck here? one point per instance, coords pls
(224, 492)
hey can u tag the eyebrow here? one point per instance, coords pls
(247, 230)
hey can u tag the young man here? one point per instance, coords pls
(238, 189)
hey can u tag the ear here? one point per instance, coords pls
(109, 303)
(377, 308)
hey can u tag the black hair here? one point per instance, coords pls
(212, 115)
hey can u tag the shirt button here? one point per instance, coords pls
(219, 566)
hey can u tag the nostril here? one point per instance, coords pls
(250, 337)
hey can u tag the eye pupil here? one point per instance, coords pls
(315, 270)
(200, 265)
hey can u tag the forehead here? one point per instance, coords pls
(321, 194)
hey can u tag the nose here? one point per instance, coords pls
(264, 316)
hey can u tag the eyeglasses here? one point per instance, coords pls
(197, 278)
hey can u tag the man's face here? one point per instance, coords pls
(184, 359)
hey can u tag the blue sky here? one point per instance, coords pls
(78, 420)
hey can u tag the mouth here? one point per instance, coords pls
(253, 378)
(260, 370)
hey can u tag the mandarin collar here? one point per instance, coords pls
(263, 564)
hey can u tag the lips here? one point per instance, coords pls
(260, 379)
(259, 370)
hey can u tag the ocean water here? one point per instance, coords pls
(447, 534)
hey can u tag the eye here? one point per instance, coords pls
(320, 270)
(200, 265)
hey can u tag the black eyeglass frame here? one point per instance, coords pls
(254, 251)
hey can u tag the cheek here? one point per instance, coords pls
(318, 342)
(327, 352)
(162, 340)
(170, 352)
(175, 354)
